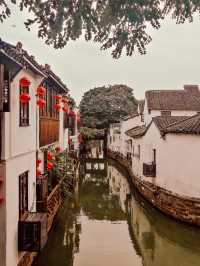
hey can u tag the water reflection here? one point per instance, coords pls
(108, 223)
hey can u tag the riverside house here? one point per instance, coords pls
(34, 120)
(164, 148)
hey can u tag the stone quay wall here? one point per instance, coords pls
(182, 208)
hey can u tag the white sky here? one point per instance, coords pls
(172, 60)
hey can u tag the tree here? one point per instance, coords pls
(117, 24)
(103, 105)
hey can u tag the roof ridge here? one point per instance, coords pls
(185, 119)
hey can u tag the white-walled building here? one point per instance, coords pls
(163, 145)
(32, 122)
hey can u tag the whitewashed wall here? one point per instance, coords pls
(177, 161)
(19, 151)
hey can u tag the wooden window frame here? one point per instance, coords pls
(23, 195)
(24, 109)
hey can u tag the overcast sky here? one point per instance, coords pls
(173, 59)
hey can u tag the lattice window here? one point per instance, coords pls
(24, 109)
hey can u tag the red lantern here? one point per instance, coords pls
(49, 166)
(57, 97)
(72, 113)
(64, 100)
(38, 162)
(1, 200)
(65, 109)
(69, 141)
(49, 156)
(24, 82)
(58, 149)
(57, 107)
(41, 103)
(24, 98)
(40, 91)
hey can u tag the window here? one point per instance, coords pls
(165, 113)
(23, 195)
(24, 109)
(142, 117)
(139, 152)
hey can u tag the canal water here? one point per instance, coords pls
(108, 223)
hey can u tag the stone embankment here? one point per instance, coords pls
(185, 209)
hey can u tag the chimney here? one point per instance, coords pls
(193, 89)
(19, 47)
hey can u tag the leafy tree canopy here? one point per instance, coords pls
(116, 24)
(103, 105)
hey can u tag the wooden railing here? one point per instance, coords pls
(53, 203)
(49, 131)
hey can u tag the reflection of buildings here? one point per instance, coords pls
(158, 239)
(161, 240)
(64, 240)
(118, 185)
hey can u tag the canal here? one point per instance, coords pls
(108, 223)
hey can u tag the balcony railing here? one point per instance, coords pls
(49, 131)
(149, 170)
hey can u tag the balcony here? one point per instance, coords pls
(49, 131)
(149, 170)
(32, 232)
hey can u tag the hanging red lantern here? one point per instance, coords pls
(49, 156)
(58, 149)
(69, 141)
(64, 100)
(72, 113)
(40, 91)
(41, 103)
(24, 98)
(57, 107)
(38, 162)
(24, 82)
(65, 109)
(57, 97)
(1, 200)
(49, 166)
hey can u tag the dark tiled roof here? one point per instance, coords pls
(173, 100)
(190, 125)
(53, 76)
(141, 106)
(136, 132)
(127, 117)
(162, 122)
(20, 56)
